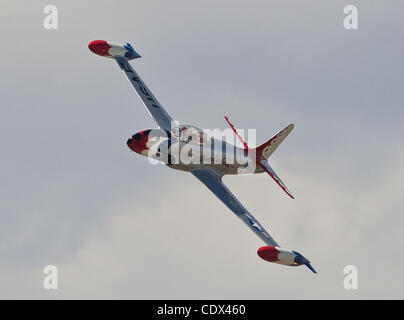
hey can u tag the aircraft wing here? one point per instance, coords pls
(157, 112)
(213, 181)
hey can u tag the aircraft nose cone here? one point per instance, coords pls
(99, 47)
(136, 138)
(129, 142)
(138, 142)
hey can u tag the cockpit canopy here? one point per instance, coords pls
(190, 134)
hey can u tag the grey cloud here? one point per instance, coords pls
(71, 194)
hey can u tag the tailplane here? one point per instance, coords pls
(268, 169)
(264, 151)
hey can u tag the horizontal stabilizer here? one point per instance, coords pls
(236, 133)
(265, 165)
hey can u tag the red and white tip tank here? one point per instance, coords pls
(111, 50)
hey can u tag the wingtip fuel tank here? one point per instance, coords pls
(283, 256)
(113, 50)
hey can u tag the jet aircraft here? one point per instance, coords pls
(188, 148)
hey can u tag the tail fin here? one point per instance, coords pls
(266, 149)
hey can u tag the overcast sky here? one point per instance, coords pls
(74, 196)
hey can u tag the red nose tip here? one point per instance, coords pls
(138, 142)
(99, 47)
(268, 253)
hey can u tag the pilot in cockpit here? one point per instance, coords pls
(185, 135)
(188, 134)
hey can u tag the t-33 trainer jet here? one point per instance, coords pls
(188, 148)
